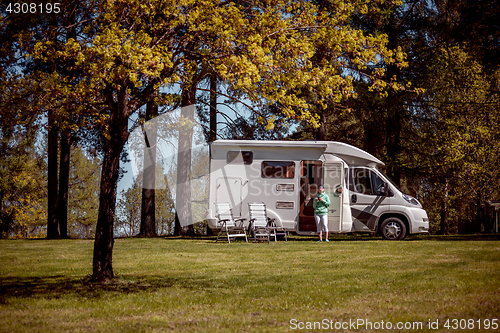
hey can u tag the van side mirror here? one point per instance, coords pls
(386, 191)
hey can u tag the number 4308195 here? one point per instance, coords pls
(463, 324)
(33, 8)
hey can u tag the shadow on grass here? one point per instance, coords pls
(54, 287)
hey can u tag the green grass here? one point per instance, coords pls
(183, 285)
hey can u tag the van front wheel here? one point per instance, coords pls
(393, 229)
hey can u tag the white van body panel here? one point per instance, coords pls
(239, 175)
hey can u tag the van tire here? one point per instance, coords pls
(393, 229)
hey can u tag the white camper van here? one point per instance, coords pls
(285, 176)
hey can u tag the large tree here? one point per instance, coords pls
(464, 138)
(19, 32)
(261, 49)
(452, 143)
(148, 226)
(22, 207)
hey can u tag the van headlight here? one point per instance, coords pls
(411, 200)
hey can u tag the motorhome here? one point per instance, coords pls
(285, 175)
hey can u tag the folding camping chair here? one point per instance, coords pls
(233, 228)
(261, 225)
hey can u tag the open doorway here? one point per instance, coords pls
(311, 176)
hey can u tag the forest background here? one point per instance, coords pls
(415, 83)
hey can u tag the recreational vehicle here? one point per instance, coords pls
(285, 175)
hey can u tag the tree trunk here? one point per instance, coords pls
(52, 220)
(213, 108)
(64, 161)
(393, 141)
(62, 204)
(103, 244)
(184, 218)
(3, 219)
(394, 110)
(321, 131)
(148, 218)
(478, 219)
(213, 119)
(444, 210)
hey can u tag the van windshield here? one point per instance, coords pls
(368, 181)
(389, 180)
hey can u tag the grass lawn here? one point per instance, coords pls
(197, 285)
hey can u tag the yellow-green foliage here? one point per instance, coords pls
(466, 131)
(262, 49)
(30, 218)
(22, 179)
(83, 194)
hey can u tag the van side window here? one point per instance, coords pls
(366, 181)
(378, 184)
(362, 182)
(245, 157)
(312, 172)
(277, 169)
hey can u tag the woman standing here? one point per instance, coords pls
(320, 205)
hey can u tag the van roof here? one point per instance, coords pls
(352, 155)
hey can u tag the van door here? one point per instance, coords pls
(333, 177)
(311, 176)
(367, 198)
(229, 189)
